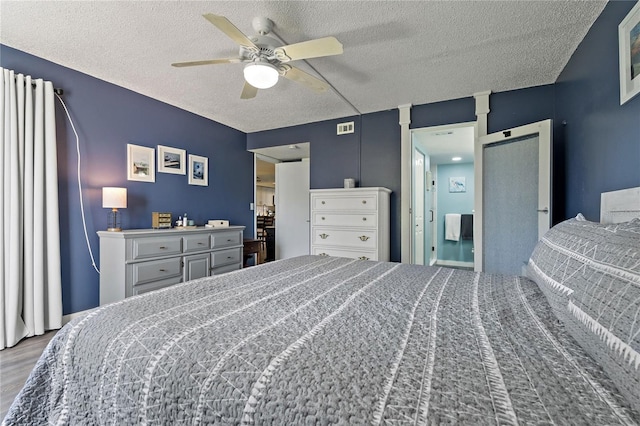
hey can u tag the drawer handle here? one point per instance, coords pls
(163, 270)
(364, 201)
(364, 218)
(229, 257)
(323, 202)
(163, 248)
(229, 241)
(324, 236)
(200, 244)
(363, 238)
(322, 218)
(363, 258)
(323, 254)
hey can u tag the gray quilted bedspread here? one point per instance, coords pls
(317, 340)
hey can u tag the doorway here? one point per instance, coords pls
(442, 192)
(513, 203)
(281, 200)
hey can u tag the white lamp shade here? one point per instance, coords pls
(261, 75)
(114, 198)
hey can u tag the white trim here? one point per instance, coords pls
(406, 222)
(482, 110)
(405, 183)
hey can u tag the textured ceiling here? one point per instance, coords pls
(395, 52)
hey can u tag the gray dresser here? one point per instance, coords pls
(140, 260)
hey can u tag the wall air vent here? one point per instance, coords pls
(345, 128)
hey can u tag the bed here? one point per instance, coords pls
(326, 340)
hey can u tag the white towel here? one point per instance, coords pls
(452, 226)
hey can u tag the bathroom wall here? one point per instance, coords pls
(454, 202)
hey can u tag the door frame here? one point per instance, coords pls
(544, 131)
(404, 110)
(414, 194)
(408, 209)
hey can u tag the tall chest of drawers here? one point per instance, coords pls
(350, 222)
(140, 260)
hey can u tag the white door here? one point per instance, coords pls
(513, 196)
(418, 205)
(292, 209)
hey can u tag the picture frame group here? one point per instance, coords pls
(141, 164)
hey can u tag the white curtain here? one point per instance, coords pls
(31, 291)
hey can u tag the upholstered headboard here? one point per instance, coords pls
(620, 206)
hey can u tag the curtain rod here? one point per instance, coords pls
(58, 91)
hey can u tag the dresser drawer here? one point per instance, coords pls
(353, 254)
(225, 257)
(154, 270)
(191, 243)
(342, 237)
(156, 246)
(345, 202)
(345, 219)
(226, 239)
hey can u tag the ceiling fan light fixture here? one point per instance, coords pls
(261, 75)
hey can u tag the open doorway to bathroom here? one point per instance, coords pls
(442, 194)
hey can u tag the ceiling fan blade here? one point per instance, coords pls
(229, 29)
(207, 62)
(317, 48)
(308, 80)
(248, 91)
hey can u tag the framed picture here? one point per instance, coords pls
(171, 160)
(629, 51)
(198, 170)
(457, 184)
(140, 163)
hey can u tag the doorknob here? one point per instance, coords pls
(545, 210)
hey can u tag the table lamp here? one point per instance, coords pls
(114, 199)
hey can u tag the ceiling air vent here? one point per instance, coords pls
(345, 128)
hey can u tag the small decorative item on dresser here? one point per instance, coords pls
(216, 223)
(160, 220)
(349, 183)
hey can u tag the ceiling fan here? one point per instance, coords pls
(267, 58)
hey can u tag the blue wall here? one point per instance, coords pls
(107, 117)
(598, 149)
(454, 202)
(372, 153)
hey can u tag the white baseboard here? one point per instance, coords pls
(454, 263)
(69, 317)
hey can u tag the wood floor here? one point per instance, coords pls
(15, 365)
